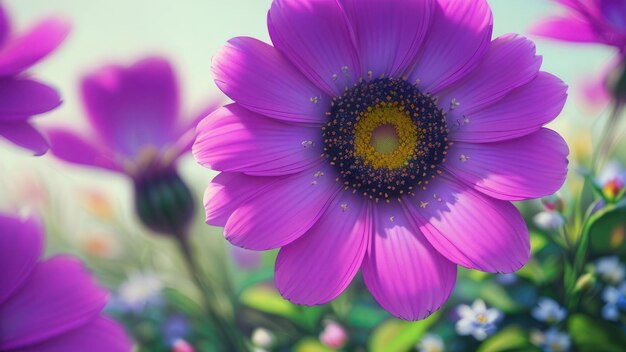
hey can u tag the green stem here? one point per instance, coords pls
(580, 254)
(608, 138)
(231, 338)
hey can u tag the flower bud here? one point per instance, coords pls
(163, 201)
(333, 335)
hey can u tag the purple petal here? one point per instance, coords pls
(69, 146)
(260, 78)
(133, 107)
(283, 211)
(404, 273)
(101, 335)
(571, 28)
(388, 33)
(509, 63)
(24, 97)
(472, 229)
(228, 191)
(5, 26)
(59, 296)
(529, 167)
(186, 129)
(614, 11)
(459, 34)
(20, 53)
(522, 112)
(25, 136)
(316, 37)
(20, 247)
(234, 139)
(318, 266)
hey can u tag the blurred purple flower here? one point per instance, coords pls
(175, 329)
(588, 21)
(50, 305)
(245, 258)
(20, 96)
(137, 129)
(337, 151)
(592, 21)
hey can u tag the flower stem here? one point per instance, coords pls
(607, 141)
(230, 336)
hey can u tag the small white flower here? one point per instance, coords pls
(477, 320)
(333, 335)
(262, 338)
(549, 220)
(430, 343)
(549, 311)
(613, 170)
(556, 341)
(611, 270)
(612, 296)
(140, 289)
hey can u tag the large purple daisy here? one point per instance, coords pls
(389, 136)
(49, 305)
(21, 97)
(137, 129)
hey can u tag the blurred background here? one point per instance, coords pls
(89, 212)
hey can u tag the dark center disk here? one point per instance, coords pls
(385, 182)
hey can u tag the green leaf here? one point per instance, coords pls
(497, 296)
(365, 317)
(182, 302)
(595, 335)
(608, 233)
(398, 335)
(511, 339)
(266, 299)
(310, 344)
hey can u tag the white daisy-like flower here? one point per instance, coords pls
(549, 311)
(430, 343)
(477, 320)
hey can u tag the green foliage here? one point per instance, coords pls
(397, 335)
(590, 334)
(510, 339)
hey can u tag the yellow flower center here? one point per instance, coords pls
(481, 318)
(385, 136)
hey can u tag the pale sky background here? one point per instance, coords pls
(189, 32)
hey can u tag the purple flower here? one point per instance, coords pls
(137, 129)
(593, 21)
(49, 305)
(389, 136)
(588, 21)
(21, 97)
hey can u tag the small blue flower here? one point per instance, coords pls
(556, 341)
(611, 270)
(615, 299)
(549, 311)
(506, 279)
(477, 320)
